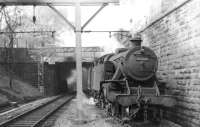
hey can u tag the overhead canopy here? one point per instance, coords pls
(55, 2)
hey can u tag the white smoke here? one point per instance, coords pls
(72, 77)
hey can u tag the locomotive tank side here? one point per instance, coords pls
(99, 74)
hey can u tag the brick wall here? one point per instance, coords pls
(176, 40)
(27, 72)
(23, 66)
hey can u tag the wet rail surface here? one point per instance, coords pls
(37, 116)
(6, 108)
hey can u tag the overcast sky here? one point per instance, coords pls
(129, 15)
(112, 17)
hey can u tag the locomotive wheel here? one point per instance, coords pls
(108, 109)
(161, 114)
(115, 109)
(160, 111)
(102, 105)
(157, 115)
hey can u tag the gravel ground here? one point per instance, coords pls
(90, 117)
(93, 117)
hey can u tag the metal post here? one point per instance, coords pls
(78, 49)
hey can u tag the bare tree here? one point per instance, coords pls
(12, 24)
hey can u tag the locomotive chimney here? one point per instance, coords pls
(136, 40)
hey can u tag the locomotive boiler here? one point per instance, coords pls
(126, 85)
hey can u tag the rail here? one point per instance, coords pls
(34, 117)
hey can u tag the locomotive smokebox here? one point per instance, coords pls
(140, 63)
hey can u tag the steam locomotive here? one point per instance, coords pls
(126, 84)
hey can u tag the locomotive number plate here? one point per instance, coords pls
(142, 59)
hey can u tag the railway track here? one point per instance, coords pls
(34, 117)
(6, 108)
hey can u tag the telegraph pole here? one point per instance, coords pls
(78, 49)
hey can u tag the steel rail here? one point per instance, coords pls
(6, 108)
(24, 113)
(50, 113)
(35, 122)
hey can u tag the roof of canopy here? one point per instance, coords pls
(54, 2)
